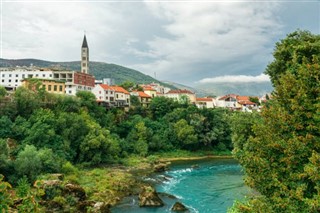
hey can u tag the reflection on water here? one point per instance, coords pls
(209, 187)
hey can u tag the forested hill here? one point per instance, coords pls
(99, 69)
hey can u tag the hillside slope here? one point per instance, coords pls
(99, 69)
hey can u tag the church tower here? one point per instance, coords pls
(85, 56)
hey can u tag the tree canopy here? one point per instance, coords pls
(281, 153)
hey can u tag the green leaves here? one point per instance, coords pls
(280, 153)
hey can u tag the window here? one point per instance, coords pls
(83, 58)
(44, 75)
(100, 97)
(49, 87)
(117, 96)
(17, 75)
(111, 92)
(55, 88)
(69, 91)
(84, 64)
(60, 88)
(16, 80)
(2, 75)
(107, 98)
(9, 75)
(106, 92)
(9, 80)
(23, 75)
(2, 80)
(50, 75)
(99, 92)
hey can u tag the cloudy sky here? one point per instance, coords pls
(182, 41)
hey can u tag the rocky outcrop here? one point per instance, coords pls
(148, 197)
(160, 167)
(75, 191)
(101, 207)
(179, 207)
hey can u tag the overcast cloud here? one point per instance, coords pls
(184, 42)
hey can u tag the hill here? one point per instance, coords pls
(99, 69)
(250, 89)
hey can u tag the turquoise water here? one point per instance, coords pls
(206, 186)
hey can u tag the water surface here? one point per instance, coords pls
(204, 186)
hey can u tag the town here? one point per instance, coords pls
(108, 94)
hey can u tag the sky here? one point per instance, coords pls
(188, 42)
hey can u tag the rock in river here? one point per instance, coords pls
(179, 207)
(148, 197)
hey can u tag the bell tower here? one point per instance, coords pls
(85, 56)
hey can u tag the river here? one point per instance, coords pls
(204, 186)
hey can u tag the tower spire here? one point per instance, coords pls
(84, 55)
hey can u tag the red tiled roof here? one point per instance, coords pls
(120, 89)
(227, 96)
(243, 98)
(246, 102)
(148, 88)
(105, 87)
(180, 91)
(204, 99)
(143, 95)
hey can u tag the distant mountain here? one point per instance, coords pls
(197, 91)
(99, 69)
(250, 89)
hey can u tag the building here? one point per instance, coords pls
(228, 101)
(150, 91)
(205, 102)
(105, 95)
(84, 56)
(181, 95)
(11, 77)
(50, 85)
(143, 97)
(122, 96)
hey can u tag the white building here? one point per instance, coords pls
(180, 95)
(12, 77)
(104, 94)
(205, 102)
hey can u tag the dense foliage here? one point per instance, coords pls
(44, 133)
(281, 151)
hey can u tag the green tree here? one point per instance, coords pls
(281, 160)
(185, 134)
(299, 47)
(5, 197)
(160, 106)
(27, 101)
(3, 91)
(28, 163)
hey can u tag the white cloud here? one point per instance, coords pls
(210, 33)
(237, 79)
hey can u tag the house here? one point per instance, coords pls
(50, 85)
(181, 95)
(150, 91)
(245, 103)
(144, 98)
(205, 102)
(227, 101)
(122, 96)
(105, 95)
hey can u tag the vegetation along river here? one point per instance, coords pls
(203, 186)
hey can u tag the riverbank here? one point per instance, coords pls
(109, 184)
